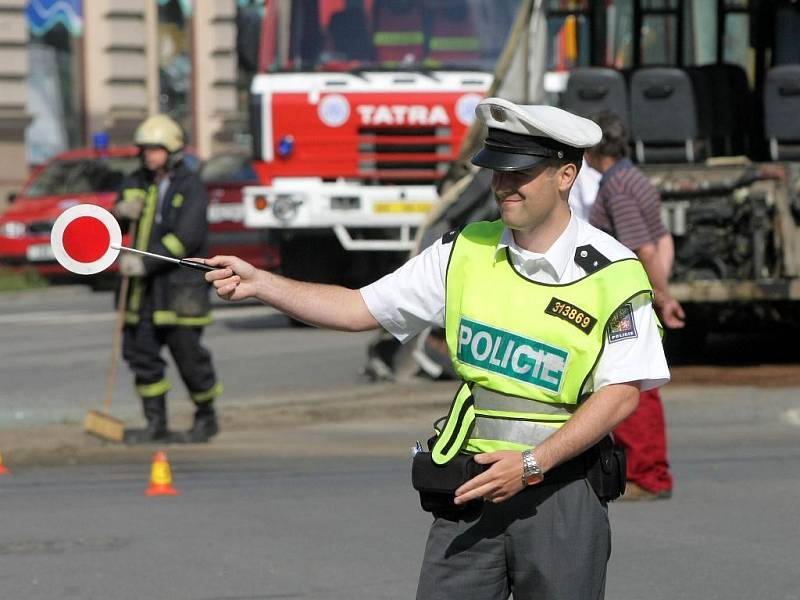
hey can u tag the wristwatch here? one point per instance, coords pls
(531, 471)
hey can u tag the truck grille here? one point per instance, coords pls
(394, 155)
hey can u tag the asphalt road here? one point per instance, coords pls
(349, 528)
(294, 521)
(56, 345)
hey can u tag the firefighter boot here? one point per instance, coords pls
(205, 424)
(155, 413)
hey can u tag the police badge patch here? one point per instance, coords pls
(621, 324)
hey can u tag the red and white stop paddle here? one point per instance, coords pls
(86, 239)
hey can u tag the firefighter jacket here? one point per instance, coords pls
(175, 226)
(525, 350)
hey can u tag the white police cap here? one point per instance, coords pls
(522, 135)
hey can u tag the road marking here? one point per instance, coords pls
(77, 317)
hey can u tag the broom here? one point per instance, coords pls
(100, 423)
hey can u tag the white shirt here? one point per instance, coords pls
(584, 191)
(412, 298)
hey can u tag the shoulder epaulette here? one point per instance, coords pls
(590, 259)
(451, 235)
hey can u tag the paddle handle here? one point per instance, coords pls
(190, 264)
(196, 265)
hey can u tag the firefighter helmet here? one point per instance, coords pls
(159, 130)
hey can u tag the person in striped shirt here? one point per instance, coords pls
(628, 208)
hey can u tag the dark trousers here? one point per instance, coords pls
(548, 542)
(141, 348)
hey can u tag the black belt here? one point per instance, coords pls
(574, 468)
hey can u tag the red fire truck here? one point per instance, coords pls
(357, 111)
(92, 176)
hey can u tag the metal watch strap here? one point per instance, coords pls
(530, 467)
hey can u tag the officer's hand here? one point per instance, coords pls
(671, 313)
(235, 279)
(128, 209)
(131, 265)
(499, 482)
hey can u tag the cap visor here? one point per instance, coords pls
(505, 161)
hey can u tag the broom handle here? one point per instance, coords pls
(122, 304)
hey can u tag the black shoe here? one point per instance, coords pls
(148, 435)
(205, 426)
(155, 412)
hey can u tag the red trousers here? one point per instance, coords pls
(644, 437)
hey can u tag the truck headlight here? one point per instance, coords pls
(12, 229)
(285, 206)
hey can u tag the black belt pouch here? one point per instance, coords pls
(607, 473)
(437, 484)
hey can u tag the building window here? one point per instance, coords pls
(175, 61)
(55, 77)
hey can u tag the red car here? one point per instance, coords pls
(93, 177)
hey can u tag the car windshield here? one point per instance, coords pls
(82, 176)
(356, 35)
(228, 168)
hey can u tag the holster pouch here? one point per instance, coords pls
(606, 472)
(437, 484)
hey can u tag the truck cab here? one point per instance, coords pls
(358, 110)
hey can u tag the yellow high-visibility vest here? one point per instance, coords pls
(525, 350)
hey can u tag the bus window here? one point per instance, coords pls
(569, 34)
(659, 40)
(736, 44)
(700, 37)
(619, 43)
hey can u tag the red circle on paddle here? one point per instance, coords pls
(86, 239)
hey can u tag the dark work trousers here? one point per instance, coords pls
(548, 542)
(142, 346)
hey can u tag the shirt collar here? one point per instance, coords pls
(558, 256)
(622, 163)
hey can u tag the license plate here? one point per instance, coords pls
(40, 252)
(401, 207)
(227, 211)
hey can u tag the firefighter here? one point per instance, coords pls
(453, 39)
(398, 35)
(163, 205)
(550, 323)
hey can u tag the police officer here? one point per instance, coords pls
(550, 323)
(164, 206)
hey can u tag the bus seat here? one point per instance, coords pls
(781, 110)
(664, 116)
(743, 107)
(592, 90)
(719, 87)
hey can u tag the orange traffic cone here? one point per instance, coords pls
(3, 469)
(160, 477)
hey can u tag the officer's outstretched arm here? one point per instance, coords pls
(329, 306)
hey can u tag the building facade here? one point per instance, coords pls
(70, 69)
